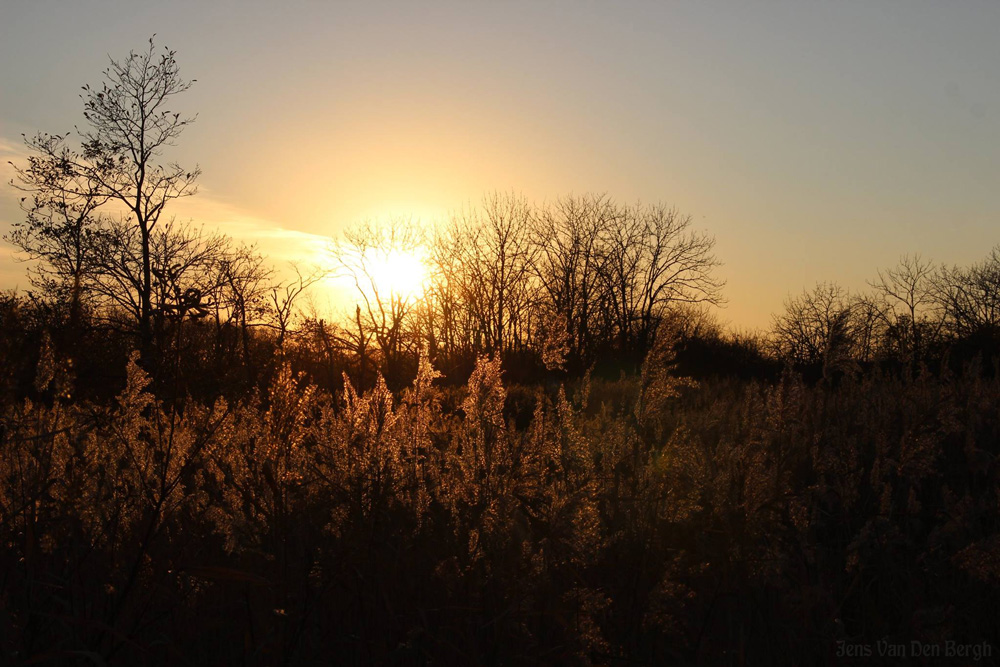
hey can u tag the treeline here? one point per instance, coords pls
(553, 291)
(552, 288)
(582, 282)
(914, 313)
(562, 284)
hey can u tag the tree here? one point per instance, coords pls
(283, 298)
(568, 237)
(909, 290)
(61, 207)
(497, 259)
(651, 259)
(183, 261)
(817, 328)
(449, 322)
(79, 245)
(970, 297)
(360, 256)
(245, 280)
(873, 318)
(130, 125)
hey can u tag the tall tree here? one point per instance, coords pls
(448, 319)
(497, 257)
(970, 296)
(817, 328)
(650, 259)
(568, 236)
(242, 300)
(130, 124)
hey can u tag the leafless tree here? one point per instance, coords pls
(817, 328)
(245, 284)
(872, 316)
(909, 290)
(284, 297)
(360, 256)
(497, 259)
(61, 205)
(130, 124)
(449, 320)
(568, 237)
(650, 259)
(970, 297)
(184, 266)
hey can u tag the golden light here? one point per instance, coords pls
(377, 266)
(399, 274)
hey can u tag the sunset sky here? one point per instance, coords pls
(815, 141)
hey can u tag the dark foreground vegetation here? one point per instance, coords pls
(195, 469)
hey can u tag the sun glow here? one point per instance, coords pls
(379, 267)
(397, 274)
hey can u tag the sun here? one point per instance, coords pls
(397, 274)
(378, 268)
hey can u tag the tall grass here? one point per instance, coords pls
(651, 520)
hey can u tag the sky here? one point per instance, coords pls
(816, 141)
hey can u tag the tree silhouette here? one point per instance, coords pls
(129, 125)
(909, 289)
(61, 209)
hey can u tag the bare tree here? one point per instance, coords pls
(362, 255)
(245, 283)
(61, 206)
(650, 259)
(872, 315)
(130, 125)
(909, 290)
(568, 237)
(284, 298)
(678, 267)
(497, 259)
(184, 266)
(448, 321)
(817, 328)
(970, 297)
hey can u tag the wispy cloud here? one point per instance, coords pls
(10, 148)
(11, 271)
(279, 243)
(10, 151)
(203, 208)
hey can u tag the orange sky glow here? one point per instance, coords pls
(816, 144)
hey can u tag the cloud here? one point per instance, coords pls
(17, 153)
(11, 271)
(280, 244)
(274, 241)
(10, 149)
(332, 297)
